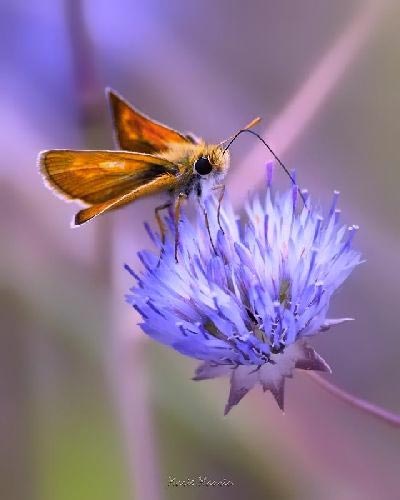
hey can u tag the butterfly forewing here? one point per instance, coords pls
(100, 176)
(136, 132)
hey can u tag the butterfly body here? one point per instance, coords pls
(185, 157)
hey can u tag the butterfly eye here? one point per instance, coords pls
(203, 166)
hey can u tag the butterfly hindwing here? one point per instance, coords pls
(160, 184)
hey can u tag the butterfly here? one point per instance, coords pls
(152, 158)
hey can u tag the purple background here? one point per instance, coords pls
(89, 408)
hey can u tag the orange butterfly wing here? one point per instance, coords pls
(155, 186)
(105, 179)
(136, 132)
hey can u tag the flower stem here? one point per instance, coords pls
(361, 404)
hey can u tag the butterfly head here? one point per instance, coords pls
(210, 163)
(209, 166)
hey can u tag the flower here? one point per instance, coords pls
(245, 297)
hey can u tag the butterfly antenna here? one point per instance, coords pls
(251, 124)
(285, 169)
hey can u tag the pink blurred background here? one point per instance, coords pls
(89, 408)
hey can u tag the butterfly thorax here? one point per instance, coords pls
(185, 156)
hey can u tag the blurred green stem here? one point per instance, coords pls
(127, 364)
(361, 404)
(131, 377)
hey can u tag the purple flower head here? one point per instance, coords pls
(246, 301)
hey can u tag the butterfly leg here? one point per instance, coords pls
(207, 226)
(161, 226)
(221, 187)
(160, 222)
(177, 213)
